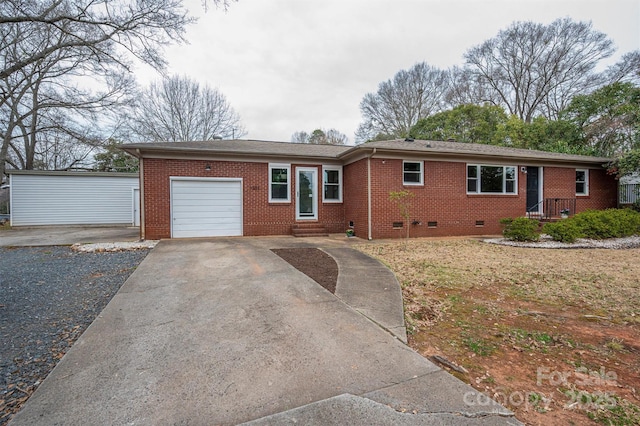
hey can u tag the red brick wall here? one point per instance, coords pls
(561, 183)
(260, 217)
(603, 192)
(442, 199)
(355, 197)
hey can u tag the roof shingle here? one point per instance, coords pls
(250, 147)
(479, 149)
(335, 152)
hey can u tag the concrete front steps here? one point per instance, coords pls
(544, 219)
(313, 229)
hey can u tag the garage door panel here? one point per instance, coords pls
(210, 206)
(200, 232)
(206, 208)
(207, 205)
(219, 222)
(203, 200)
(219, 195)
(217, 228)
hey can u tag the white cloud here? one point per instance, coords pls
(289, 65)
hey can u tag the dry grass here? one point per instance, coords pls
(599, 282)
(502, 312)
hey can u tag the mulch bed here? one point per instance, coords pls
(314, 263)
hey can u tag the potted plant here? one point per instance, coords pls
(350, 232)
(564, 213)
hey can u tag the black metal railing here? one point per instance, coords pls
(557, 207)
(533, 212)
(553, 208)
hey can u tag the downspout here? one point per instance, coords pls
(369, 227)
(141, 192)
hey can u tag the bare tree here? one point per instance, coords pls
(139, 27)
(334, 137)
(300, 137)
(321, 137)
(179, 109)
(400, 102)
(64, 65)
(627, 70)
(47, 104)
(465, 87)
(533, 69)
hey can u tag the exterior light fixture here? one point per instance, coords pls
(208, 167)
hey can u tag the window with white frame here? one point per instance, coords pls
(332, 184)
(582, 182)
(484, 179)
(412, 172)
(279, 183)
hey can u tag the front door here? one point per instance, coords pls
(306, 197)
(533, 190)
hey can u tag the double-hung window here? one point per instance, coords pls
(332, 184)
(491, 179)
(279, 183)
(412, 173)
(582, 182)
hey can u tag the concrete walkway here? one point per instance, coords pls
(224, 331)
(370, 288)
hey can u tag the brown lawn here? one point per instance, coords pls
(553, 334)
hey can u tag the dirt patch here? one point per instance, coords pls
(314, 263)
(551, 334)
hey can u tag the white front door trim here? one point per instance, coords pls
(312, 174)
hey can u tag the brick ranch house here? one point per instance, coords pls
(245, 187)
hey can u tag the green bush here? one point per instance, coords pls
(611, 223)
(565, 231)
(520, 229)
(595, 224)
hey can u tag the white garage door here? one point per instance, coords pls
(206, 207)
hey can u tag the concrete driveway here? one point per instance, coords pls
(224, 331)
(66, 235)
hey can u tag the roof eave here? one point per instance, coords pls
(70, 173)
(467, 154)
(141, 152)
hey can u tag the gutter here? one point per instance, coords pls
(171, 152)
(369, 230)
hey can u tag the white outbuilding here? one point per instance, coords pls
(74, 198)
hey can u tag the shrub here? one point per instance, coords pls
(520, 229)
(595, 224)
(611, 223)
(565, 231)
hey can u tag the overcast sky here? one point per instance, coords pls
(291, 65)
